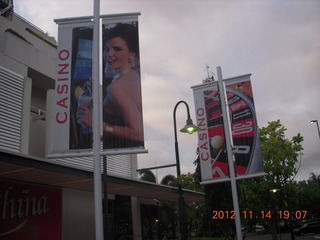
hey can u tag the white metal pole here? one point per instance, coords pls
(224, 108)
(96, 121)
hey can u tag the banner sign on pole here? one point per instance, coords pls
(121, 106)
(73, 68)
(244, 129)
(122, 102)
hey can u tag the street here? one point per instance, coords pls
(283, 236)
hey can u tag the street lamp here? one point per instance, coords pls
(189, 128)
(316, 121)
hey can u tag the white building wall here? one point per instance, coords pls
(24, 48)
(11, 103)
(25, 130)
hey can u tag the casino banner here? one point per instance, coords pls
(122, 99)
(121, 103)
(73, 71)
(244, 129)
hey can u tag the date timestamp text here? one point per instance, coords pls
(300, 214)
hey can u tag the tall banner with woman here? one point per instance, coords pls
(122, 121)
(122, 103)
(244, 129)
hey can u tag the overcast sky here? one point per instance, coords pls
(278, 42)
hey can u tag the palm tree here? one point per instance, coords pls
(169, 180)
(314, 178)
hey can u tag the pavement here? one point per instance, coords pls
(282, 236)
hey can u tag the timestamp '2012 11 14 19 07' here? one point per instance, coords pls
(285, 214)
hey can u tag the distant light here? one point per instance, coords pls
(274, 190)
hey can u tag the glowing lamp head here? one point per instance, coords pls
(189, 127)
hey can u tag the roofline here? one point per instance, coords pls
(44, 164)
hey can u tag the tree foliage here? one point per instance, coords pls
(276, 191)
(169, 180)
(314, 179)
(147, 175)
(308, 196)
(280, 156)
(279, 153)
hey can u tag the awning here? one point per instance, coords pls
(25, 168)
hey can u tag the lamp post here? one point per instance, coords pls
(316, 121)
(189, 128)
